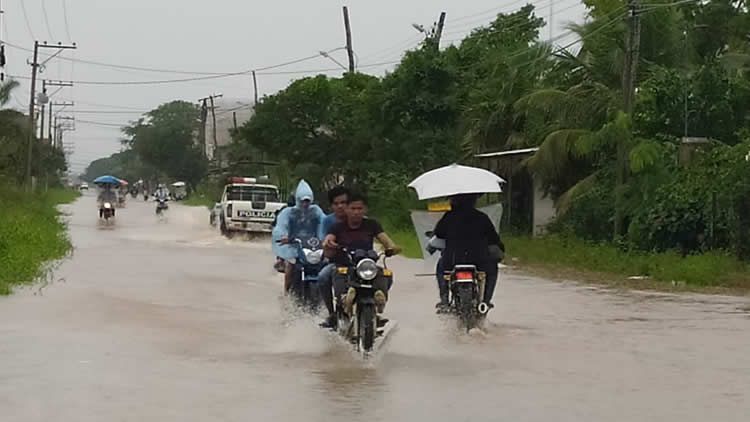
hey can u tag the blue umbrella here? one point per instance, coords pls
(107, 179)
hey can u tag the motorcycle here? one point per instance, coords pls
(362, 272)
(465, 290)
(161, 206)
(106, 211)
(308, 264)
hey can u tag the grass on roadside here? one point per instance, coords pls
(408, 242)
(199, 200)
(31, 234)
(552, 252)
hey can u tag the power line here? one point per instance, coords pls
(26, 18)
(522, 20)
(181, 72)
(65, 17)
(46, 19)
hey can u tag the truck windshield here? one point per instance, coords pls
(252, 193)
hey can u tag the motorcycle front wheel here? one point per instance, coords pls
(367, 327)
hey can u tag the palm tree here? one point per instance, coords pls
(5, 90)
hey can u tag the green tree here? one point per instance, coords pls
(165, 139)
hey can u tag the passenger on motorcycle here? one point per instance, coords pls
(303, 220)
(280, 264)
(357, 232)
(338, 197)
(470, 238)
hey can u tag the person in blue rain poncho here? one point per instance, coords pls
(302, 221)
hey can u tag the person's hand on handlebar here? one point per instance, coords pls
(330, 243)
(395, 250)
(284, 240)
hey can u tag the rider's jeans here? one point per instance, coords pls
(325, 277)
(490, 270)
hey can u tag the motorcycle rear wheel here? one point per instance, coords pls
(465, 306)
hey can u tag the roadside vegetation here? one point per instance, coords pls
(31, 234)
(680, 210)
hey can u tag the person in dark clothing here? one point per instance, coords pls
(356, 232)
(470, 238)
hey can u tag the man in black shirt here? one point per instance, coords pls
(357, 232)
(470, 238)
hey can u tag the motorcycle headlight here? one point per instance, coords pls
(367, 269)
(313, 257)
(107, 205)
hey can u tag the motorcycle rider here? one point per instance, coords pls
(162, 192)
(357, 232)
(303, 220)
(106, 195)
(470, 238)
(338, 197)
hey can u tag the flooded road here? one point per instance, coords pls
(168, 321)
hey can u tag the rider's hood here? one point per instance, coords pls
(304, 191)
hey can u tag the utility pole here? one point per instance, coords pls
(32, 123)
(439, 30)
(52, 104)
(628, 86)
(210, 99)
(2, 46)
(41, 123)
(255, 87)
(349, 49)
(202, 131)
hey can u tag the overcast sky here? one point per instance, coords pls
(217, 36)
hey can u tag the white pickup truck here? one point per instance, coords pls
(248, 206)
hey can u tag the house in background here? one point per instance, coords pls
(527, 208)
(230, 113)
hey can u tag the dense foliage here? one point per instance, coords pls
(502, 88)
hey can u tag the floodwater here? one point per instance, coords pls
(168, 321)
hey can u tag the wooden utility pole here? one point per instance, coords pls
(32, 122)
(56, 104)
(213, 119)
(41, 117)
(349, 49)
(32, 125)
(439, 30)
(255, 87)
(632, 52)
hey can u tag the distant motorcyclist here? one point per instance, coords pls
(162, 193)
(470, 238)
(107, 194)
(357, 232)
(303, 220)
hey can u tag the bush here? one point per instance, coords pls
(709, 269)
(30, 234)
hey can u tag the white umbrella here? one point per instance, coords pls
(454, 180)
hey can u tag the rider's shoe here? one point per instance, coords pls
(442, 307)
(348, 300)
(382, 321)
(331, 322)
(380, 301)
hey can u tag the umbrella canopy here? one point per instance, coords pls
(107, 180)
(454, 180)
(178, 184)
(123, 182)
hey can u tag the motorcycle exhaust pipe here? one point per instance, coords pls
(483, 308)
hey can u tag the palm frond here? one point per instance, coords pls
(565, 200)
(5, 90)
(645, 154)
(555, 153)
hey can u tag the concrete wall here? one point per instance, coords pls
(544, 210)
